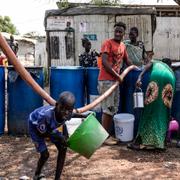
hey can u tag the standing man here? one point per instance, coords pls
(69, 40)
(113, 55)
(14, 45)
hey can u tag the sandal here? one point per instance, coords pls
(139, 147)
(110, 141)
(39, 177)
(133, 146)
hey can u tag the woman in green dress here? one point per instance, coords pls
(158, 100)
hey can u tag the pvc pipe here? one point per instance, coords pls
(23, 72)
(30, 81)
(107, 93)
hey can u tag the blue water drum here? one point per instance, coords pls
(22, 99)
(126, 95)
(92, 91)
(2, 99)
(68, 78)
(176, 99)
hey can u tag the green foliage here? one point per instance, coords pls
(105, 2)
(65, 4)
(7, 26)
(62, 4)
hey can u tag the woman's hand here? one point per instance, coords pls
(136, 67)
(120, 79)
(138, 83)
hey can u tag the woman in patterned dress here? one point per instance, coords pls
(88, 58)
(135, 49)
(158, 100)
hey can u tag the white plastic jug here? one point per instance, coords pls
(138, 98)
(73, 124)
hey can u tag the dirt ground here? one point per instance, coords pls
(18, 158)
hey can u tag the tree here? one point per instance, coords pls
(62, 4)
(7, 26)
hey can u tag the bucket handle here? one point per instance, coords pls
(138, 88)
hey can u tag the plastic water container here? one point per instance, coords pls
(176, 98)
(88, 137)
(73, 124)
(2, 99)
(124, 126)
(68, 78)
(92, 91)
(22, 99)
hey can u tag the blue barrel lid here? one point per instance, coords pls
(26, 67)
(66, 67)
(95, 68)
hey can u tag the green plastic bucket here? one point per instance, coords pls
(88, 137)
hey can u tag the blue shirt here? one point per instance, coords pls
(43, 123)
(44, 119)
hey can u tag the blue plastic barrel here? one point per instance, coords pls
(92, 91)
(68, 78)
(22, 99)
(176, 99)
(126, 95)
(92, 82)
(2, 99)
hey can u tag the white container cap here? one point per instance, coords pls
(74, 121)
(124, 117)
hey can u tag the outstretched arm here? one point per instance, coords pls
(147, 67)
(85, 114)
(78, 115)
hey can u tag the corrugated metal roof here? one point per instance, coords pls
(94, 10)
(18, 38)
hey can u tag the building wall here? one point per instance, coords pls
(94, 27)
(97, 28)
(40, 53)
(143, 23)
(167, 37)
(56, 26)
(26, 53)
